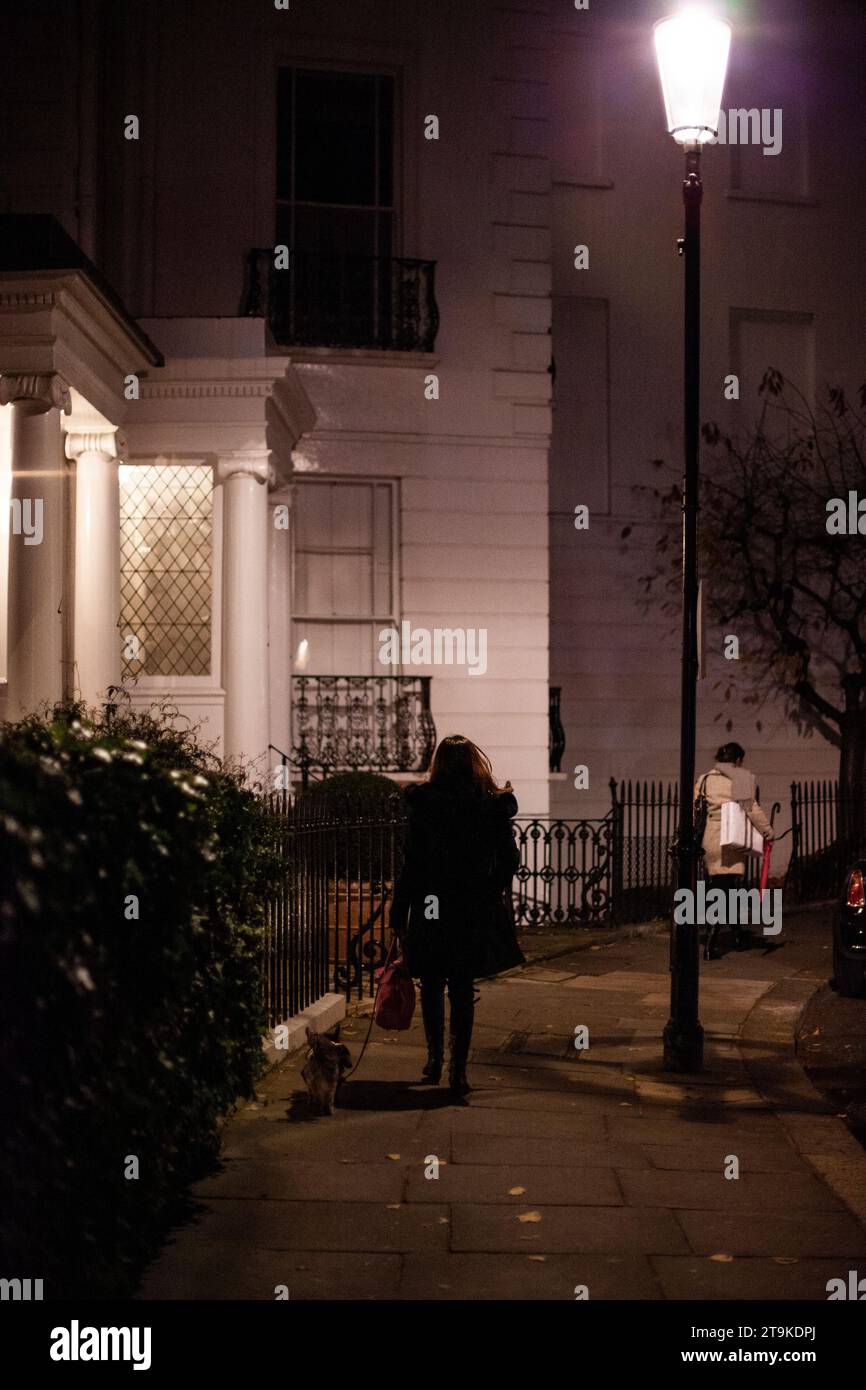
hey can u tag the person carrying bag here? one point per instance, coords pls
(724, 854)
(451, 908)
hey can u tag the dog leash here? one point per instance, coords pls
(387, 962)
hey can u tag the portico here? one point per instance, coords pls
(162, 558)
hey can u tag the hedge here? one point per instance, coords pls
(134, 877)
(360, 808)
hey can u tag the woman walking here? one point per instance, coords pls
(451, 909)
(727, 780)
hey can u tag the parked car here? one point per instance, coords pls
(849, 934)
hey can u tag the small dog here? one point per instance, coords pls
(325, 1064)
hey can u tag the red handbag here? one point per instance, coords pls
(395, 996)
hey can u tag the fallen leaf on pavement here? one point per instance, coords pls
(529, 1216)
(516, 1191)
(394, 1157)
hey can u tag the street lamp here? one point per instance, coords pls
(692, 54)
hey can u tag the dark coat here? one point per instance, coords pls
(460, 852)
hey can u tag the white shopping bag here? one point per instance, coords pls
(737, 831)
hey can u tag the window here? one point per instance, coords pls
(335, 208)
(166, 569)
(335, 157)
(345, 578)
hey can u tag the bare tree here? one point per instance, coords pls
(783, 559)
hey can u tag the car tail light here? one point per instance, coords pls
(856, 892)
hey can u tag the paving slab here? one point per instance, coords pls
(324, 1180)
(525, 1278)
(307, 1275)
(542, 1229)
(756, 1156)
(516, 1184)
(804, 1234)
(323, 1225)
(513, 1149)
(759, 1192)
(796, 1280)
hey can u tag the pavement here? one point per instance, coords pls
(567, 1172)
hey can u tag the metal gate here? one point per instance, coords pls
(566, 872)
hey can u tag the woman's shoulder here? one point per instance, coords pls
(503, 803)
(421, 796)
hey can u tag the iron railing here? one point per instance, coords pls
(566, 871)
(556, 733)
(362, 723)
(828, 831)
(327, 923)
(646, 820)
(344, 301)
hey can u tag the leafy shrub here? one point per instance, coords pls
(128, 1029)
(342, 786)
(357, 810)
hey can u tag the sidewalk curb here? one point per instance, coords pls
(814, 1126)
(324, 1013)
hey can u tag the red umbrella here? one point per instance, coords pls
(765, 863)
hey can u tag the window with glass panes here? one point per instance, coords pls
(166, 569)
(335, 205)
(345, 586)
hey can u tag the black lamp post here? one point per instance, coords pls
(692, 52)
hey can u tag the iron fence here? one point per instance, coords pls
(828, 831)
(646, 823)
(327, 921)
(645, 816)
(566, 871)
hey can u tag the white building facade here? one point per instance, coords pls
(299, 434)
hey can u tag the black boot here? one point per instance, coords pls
(433, 1014)
(462, 1018)
(710, 952)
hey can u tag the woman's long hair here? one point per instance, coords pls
(461, 769)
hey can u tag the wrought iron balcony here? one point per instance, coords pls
(362, 723)
(324, 300)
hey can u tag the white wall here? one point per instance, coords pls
(782, 254)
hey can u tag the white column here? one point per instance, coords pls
(96, 641)
(280, 619)
(36, 541)
(246, 515)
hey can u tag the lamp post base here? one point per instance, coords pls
(683, 1047)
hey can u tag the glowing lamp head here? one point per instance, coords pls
(692, 54)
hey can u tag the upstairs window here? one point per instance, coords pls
(335, 162)
(336, 212)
